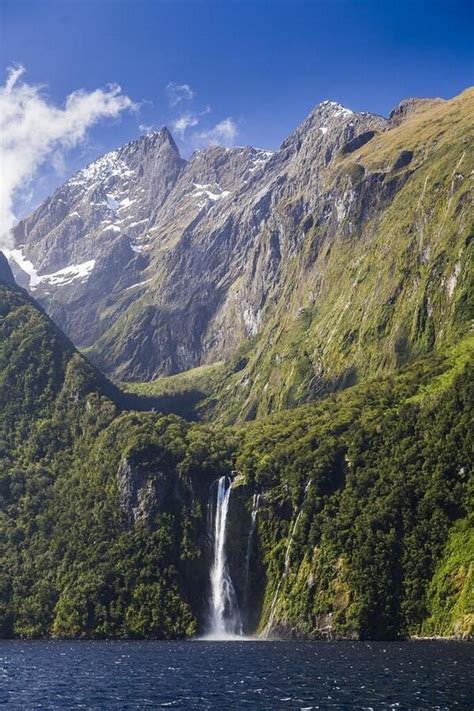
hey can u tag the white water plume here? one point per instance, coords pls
(225, 621)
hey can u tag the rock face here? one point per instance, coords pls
(159, 265)
(6, 274)
(145, 489)
(407, 106)
(192, 250)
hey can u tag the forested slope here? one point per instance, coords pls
(362, 528)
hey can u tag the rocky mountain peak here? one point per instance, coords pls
(166, 135)
(161, 264)
(158, 139)
(331, 109)
(333, 124)
(227, 166)
(114, 196)
(157, 145)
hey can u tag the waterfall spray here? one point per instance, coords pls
(224, 611)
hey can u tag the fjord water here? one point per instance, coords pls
(61, 675)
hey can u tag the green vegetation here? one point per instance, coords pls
(187, 393)
(379, 480)
(201, 379)
(103, 513)
(69, 563)
(391, 282)
(456, 359)
(450, 594)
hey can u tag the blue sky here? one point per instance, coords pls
(263, 64)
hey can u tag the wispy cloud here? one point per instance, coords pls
(223, 133)
(183, 122)
(179, 92)
(34, 131)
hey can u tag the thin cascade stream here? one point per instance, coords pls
(253, 521)
(271, 618)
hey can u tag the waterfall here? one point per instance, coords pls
(224, 610)
(253, 520)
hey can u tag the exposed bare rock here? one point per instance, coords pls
(159, 264)
(6, 274)
(144, 489)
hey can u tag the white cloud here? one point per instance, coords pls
(146, 128)
(223, 133)
(34, 131)
(179, 92)
(187, 120)
(184, 122)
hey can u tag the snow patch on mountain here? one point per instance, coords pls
(16, 256)
(335, 108)
(260, 159)
(99, 170)
(68, 274)
(111, 228)
(208, 192)
(140, 283)
(60, 278)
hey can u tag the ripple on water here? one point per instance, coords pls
(58, 675)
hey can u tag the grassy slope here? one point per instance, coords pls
(201, 380)
(384, 292)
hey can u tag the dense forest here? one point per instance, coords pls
(364, 519)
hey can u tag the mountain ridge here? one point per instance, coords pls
(192, 279)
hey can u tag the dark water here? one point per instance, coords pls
(235, 675)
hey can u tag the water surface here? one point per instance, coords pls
(235, 675)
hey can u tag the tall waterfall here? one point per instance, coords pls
(224, 611)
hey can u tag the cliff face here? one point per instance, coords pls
(6, 274)
(342, 254)
(383, 273)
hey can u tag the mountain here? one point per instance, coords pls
(342, 255)
(86, 237)
(314, 304)
(346, 518)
